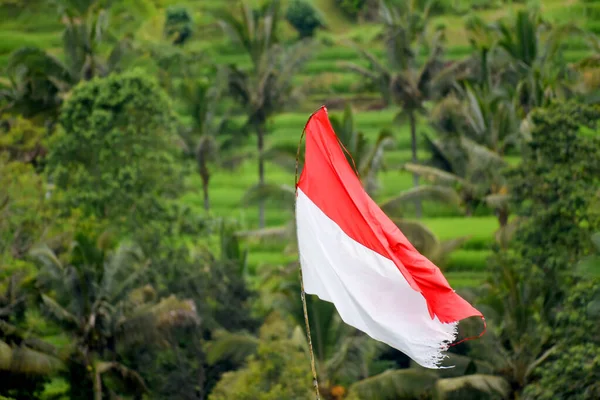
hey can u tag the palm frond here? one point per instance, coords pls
(171, 312)
(394, 384)
(435, 175)
(372, 162)
(283, 155)
(497, 200)
(117, 270)
(49, 259)
(473, 386)
(23, 360)
(481, 155)
(421, 237)
(116, 292)
(282, 195)
(129, 378)
(36, 62)
(5, 356)
(277, 232)
(443, 194)
(235, 347)
(360, 70)
(60, 314)
(448, 246)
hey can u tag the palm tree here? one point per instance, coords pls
(202, 98)
(536, 70)
(264, 88)
(402, 80)
(90, 293)
(472, 176)
(368, 161)
(487, 115)
(25, 360)
(347, 360)
(39, 81)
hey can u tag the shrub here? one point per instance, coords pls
(178, 25)
(115, 154)
(303, 17)
(352, 8)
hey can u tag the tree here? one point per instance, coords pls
(573, 375)
(114, 157)
(303, 17)
(278, 370)
(368, 160)
(90, 292)
(490, 117)
(39, 81)
(555, 188)
(214, 279)
(554, 191)
(572, 372)
(202, 97)
(26, 362)
(536, 70)
(473, 177)
(22, 140)
(266, 87)
(178, 25)
(403, 81)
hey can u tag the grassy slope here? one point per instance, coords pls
(325, 80)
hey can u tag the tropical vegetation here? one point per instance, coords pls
(147, 159)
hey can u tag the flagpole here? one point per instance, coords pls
(310, 346)
(302, 292)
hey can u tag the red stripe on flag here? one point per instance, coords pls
(329, 181)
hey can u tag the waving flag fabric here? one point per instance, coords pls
(354, 256)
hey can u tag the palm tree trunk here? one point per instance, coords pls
(204, 172)
(502, 215)
(261, 172)
(415, 158)
(206, 196)
(484, 68)
(97, 386)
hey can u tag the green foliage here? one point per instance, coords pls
(303, 17)
(352, 8)
(574, 374)
(278, 370)
(556, 189)
(25, 215)
(21, 139)
(472, 387)
(91, 293)
(399, 384)
(114, 163)
(39, 79)
(178, 25)
(115, 157)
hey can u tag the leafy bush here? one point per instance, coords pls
(178, 25)
(574, 374)
(352, 8)
(115, 154)
(303, 17)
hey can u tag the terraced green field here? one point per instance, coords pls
(324, 79)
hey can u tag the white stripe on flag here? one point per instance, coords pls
(366, 288)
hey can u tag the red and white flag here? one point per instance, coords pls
(354, 256)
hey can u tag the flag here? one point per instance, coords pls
(355, 257)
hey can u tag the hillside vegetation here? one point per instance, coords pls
(144, 255)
